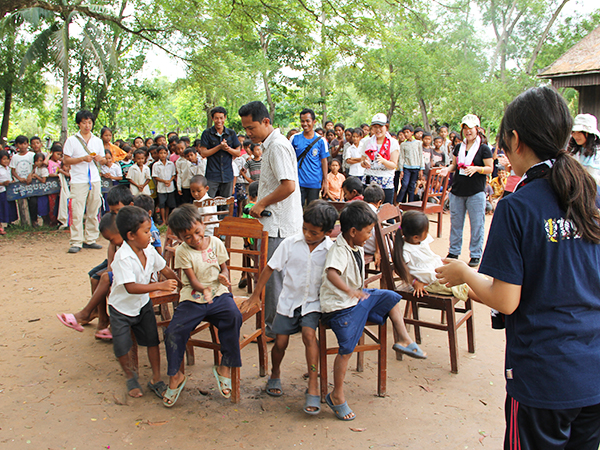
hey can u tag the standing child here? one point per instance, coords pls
(353, 158)
(54, 171)
(251, 170)
(203, 297)
(334, 182)
(184, 175)
(199, 190)
(21, 165)
(8, 210)
(248, 242)
(347, 306)
(410, 163)
(139, 174)
(240, 191)
(129, 301)
(40, 173)
(126, 164)
(301, 259)
(164, 173)
(415, 262)
(111, 170)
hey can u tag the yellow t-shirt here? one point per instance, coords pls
(206, 265)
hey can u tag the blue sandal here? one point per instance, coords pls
(272, 385)
(340, 411)
(412, 350)
(312, 401)
(171, 395)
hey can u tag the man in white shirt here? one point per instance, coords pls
(278, 192)
(84, 152)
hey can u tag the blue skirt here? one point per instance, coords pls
(8, 210)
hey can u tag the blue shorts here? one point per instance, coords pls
(348, 324)
(96, 272)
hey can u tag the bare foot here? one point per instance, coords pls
(85, 320)
(135, 393)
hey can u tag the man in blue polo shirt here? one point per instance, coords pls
(219, 145)
(312, 152)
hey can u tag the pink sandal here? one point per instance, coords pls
(103, 334)
(70, 321)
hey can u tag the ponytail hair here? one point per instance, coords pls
(543, 122)
(414, 223)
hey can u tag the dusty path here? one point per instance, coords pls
(60, 389)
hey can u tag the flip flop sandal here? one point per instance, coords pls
(222, 382)
(70, 321)
(340, 411)
(158, 388)
(132, 384)
(171, 395)
(272, 384)
(312, 401)
(104, 335)
(412, 350)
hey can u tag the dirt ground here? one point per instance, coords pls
(60, 389)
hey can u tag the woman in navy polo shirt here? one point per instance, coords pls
(542, 254)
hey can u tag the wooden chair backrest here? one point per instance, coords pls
(385, 233)
(217, 201)
(338, 205)
(436, 187)
(231, 227)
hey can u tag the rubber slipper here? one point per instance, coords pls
(412, 350)
(132, 384)
(222, 382)
(340, 411)
(272, 384)
(104, 334)
(312, 401)
(69, 320)
(171, 395)
(158, 388)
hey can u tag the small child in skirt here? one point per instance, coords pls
(8, 210)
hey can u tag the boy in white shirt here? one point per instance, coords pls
(129, 301)
(164, 172)
(184, 175)
(111, 170)
(139, 174)
(199, 191)
(353, 157)
(301, 259)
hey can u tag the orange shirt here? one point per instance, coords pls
(334, 183)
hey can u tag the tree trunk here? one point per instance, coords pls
(390, 111)
(82, 83)
(65, 88)
(264, 45)
(423, 108)
(6, 113)
(542, 38)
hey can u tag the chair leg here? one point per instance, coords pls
(470, 327)
(235, 385)
(190, 356)
(452, 338)
(415, 311)
(360, 356)
(323, 361)
(443, 316)
(263, 356)
(382, 361)
(215, 338)
(439, 227)
(407, 314)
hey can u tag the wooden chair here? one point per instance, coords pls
(338, 205)
(237, 227)
(436, 188)
(385, 238)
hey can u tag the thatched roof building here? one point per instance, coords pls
(579, 68)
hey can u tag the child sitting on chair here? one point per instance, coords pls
(301, 259)
(204, 297)
(129, 301)
(347, 307)
(374, 197)
(199, 191)
(415, 262)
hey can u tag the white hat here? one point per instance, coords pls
(586, 123)
(470, 120)
(379, 119)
